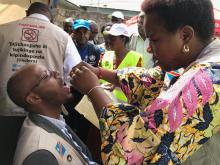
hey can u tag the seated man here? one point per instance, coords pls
(44, 138)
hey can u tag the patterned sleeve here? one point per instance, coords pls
(170, 129)
(140, 85)
(124, 135)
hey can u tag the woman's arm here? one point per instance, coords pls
(170, 129)
(135, 82)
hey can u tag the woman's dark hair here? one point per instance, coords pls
(127, 39)
(177, 13)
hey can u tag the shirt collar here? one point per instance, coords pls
(39, 16)
(209, 54)
(212, 48)
(60, 123)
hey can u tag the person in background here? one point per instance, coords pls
(117, 17)
(89, 53)
(67, 25)
(139, 43)
(44, 138)
(118, 37)
(94, 30)
(105, 45)
(31, 40)
(73, 117)
(180, 125)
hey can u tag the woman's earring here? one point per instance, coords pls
(185, 49)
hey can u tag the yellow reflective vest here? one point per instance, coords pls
(131, 60)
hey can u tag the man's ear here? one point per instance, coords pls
(33, 99)
(187, 33)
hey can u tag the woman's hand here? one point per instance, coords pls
(101, 73)
(90, 67)
(109, 87)
(83, 79)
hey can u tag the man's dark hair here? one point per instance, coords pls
(41, 8)
(105, 25)
(177, 13)
(91, 22)
(15, 90)
(19, 85)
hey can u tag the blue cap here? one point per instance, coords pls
(79, 23)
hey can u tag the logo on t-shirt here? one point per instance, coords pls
(30, 35)
(92, 57)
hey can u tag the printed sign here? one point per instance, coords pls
(30, 35)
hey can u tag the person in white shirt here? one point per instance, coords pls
(117, 17)
(140, 43)
(31, 40)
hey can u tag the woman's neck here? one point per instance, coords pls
(120, 54)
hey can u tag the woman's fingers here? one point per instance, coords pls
(78, 72)
(75, 71)
(83, 68)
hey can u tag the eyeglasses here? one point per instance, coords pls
(45, 75)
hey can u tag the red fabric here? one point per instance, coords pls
(217, 27)
(132, 21)
(217, 21)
